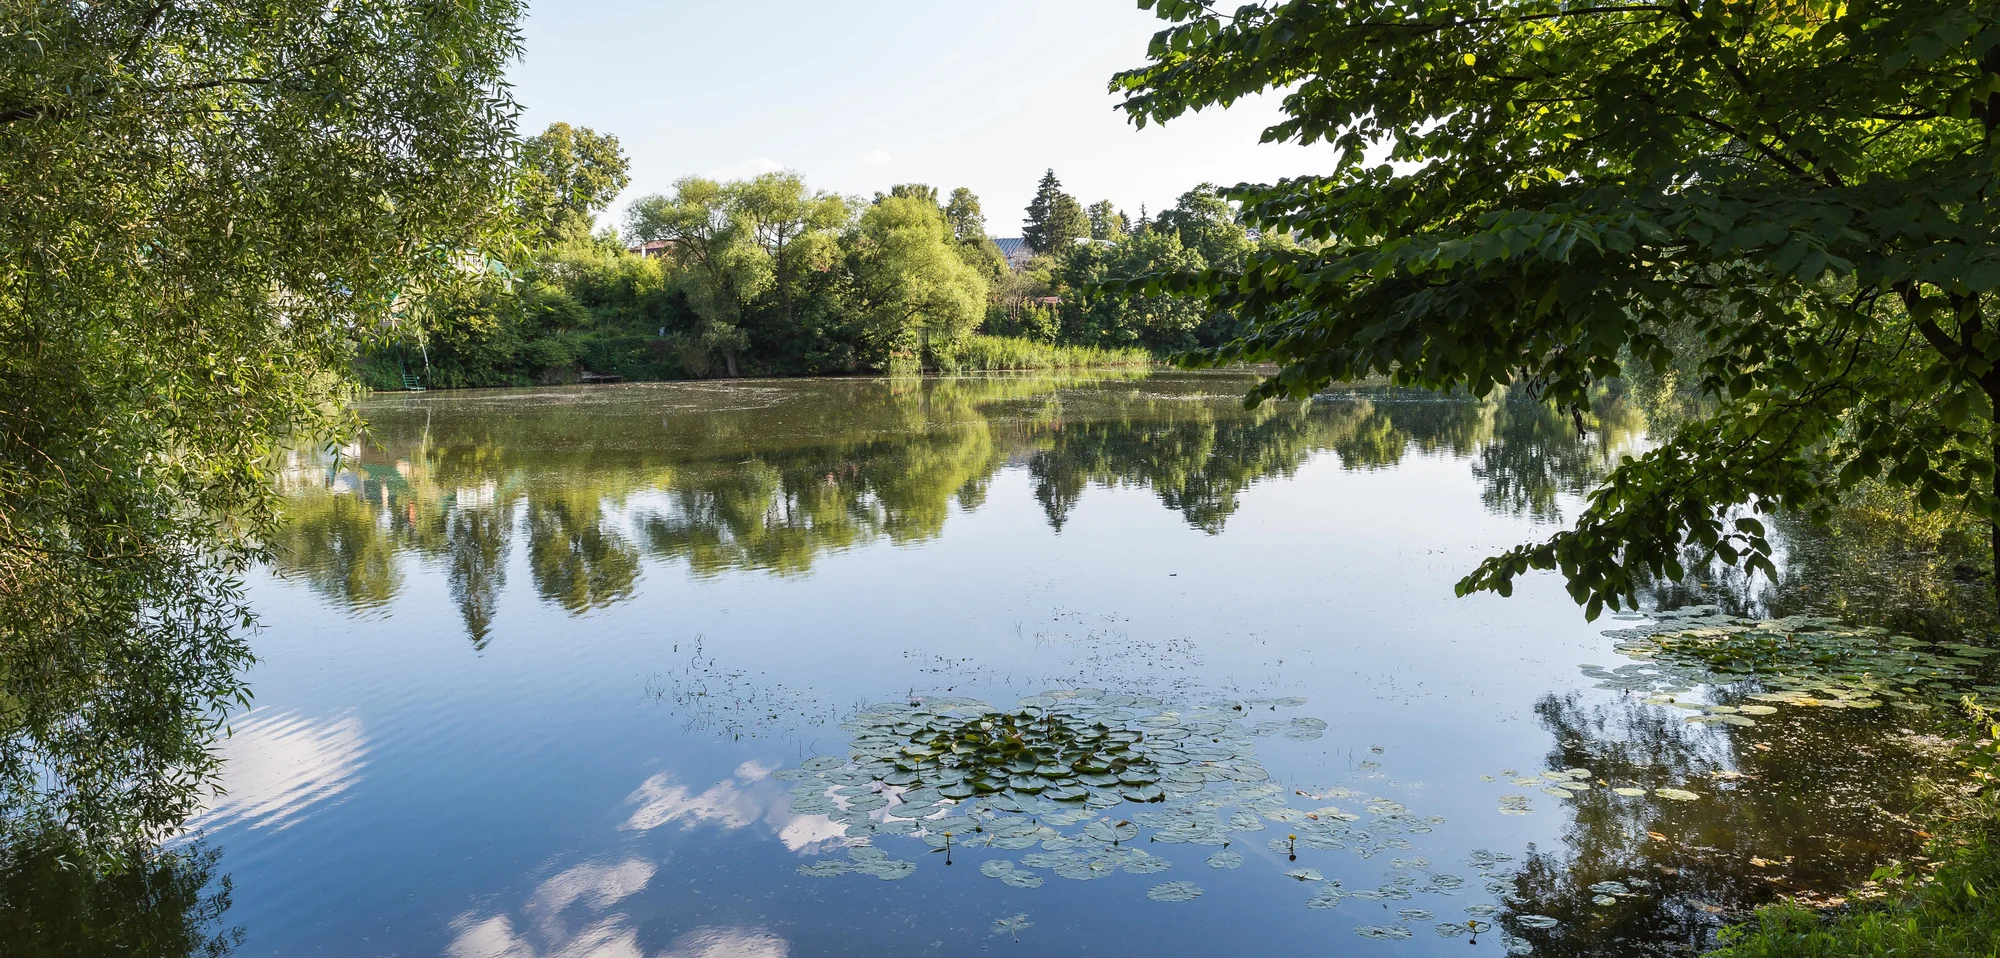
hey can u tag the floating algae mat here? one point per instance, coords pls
(1799, 661)
(1081, 782)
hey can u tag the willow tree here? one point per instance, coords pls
(1793, 200)
(202, 208)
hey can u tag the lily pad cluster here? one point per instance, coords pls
(1083, 782)
(1087, 747)
(1478, 918)
(1799, 661)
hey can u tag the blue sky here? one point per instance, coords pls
(857, 96)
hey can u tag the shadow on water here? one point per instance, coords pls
(747, 476)
(162, 904)
(1805, 804)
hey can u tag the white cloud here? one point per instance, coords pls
(587, 894)
(491, 938)
(745, 798)
(495, 937)
(753, 167)
(591, 888)
(810, 832)
(661, 803)
(753, 770)
(277, 765)
(598, 887)
(876, 157)
(729, 943)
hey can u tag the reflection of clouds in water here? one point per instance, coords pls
(661, 803)
(810, 832)
(587, 892)
(743, 799)
(597, 886)
(728, 943)
(277, 765)
(593, 888)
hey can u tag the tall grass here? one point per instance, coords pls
(993, 353)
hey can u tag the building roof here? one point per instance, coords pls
(1013, 246)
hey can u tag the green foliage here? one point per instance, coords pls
(991, 353)
(1953, 913)
(1055, 219)
(1162, 323)
(722, 268)
(968, 222)
(915, 292)
(193, 238)
(568, 174)
(915, 191)
(1107, 223)
(1804, 188)
(1199, 231)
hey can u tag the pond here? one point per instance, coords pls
(1088, 665)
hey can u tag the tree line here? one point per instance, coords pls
(769, 276)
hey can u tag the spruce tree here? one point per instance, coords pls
(1055, 219)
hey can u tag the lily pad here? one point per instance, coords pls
(1105, 830)
(1174, 891)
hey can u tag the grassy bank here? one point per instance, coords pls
(994, 353)
(1955, 914)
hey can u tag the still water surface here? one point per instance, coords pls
(546, 673)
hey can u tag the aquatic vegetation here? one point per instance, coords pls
(1054, 777)
(1174, 891)
(1799, 662)
(1012, 926)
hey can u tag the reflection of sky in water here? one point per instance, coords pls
(279, 766)
(598, 622)
(743, 799)
(572, 916)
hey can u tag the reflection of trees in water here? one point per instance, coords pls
(1537, 455)
(477, 545)
(1793, 823)
(1862, 568)
(576, 562)
(165, 904)
(350, 557)
(771, 476)
(1195, 460)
